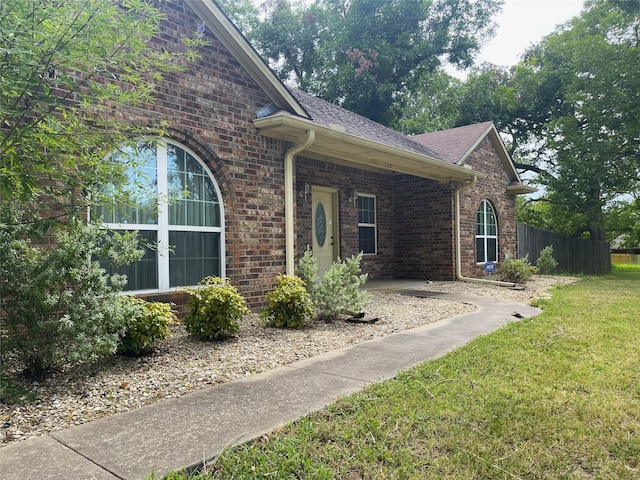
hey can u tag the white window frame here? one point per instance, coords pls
(485, 204)
(373, 225)
(162, 228)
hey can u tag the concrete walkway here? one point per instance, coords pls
(183, 432)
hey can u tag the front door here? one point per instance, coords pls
(325, 229)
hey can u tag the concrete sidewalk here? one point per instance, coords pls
(183, 432)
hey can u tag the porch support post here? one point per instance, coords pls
(289, 199)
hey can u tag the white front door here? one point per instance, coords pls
(325, 229)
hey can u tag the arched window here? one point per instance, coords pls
(176, 209)
(486, 233)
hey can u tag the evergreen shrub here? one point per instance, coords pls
(215, 310)
(546, 263)
(339, 292)
(288, 304)
(146, 324)
(61, 306)
(517, 270)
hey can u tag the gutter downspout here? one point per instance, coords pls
(289, 199)
(459, 275)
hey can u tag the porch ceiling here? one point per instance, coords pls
(333, 145)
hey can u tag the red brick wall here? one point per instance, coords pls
(493, 189)
(423, 229)
(209, 107)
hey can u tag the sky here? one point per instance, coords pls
(522, 23)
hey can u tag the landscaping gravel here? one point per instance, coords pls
(181, 364)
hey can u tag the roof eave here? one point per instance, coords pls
(227, 33)
(358, 150)
(520, 189)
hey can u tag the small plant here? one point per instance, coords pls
(146, 324)
(215, 309)
(288, 304)
(546, 263)
(12, 395)
(517, 270)
(339, 292)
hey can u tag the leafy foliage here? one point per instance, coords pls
(146, 323)
(62, 307)
(571, 109)
(288, 304)
(365, 55)
(338, 292)
(546, 263)
(215, 309)
(517, 270)
(65, 67)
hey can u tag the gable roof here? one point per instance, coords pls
(340, 135)
(456, 144)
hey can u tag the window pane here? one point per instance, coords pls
(366, 210)
(193, 198)
(194, 255)
(367, 239)
(142, 275)
(480, 257)
(138, 202)
(492, 250)
(480, 220)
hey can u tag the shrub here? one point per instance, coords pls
(215, 309)
(146, 324)
(288, 304)
(61, 306)
(338, 292)
(517, 270)
(546, 263)
(308, 272)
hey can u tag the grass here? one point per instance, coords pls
(555, 397)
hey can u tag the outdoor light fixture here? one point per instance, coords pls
(305, 191)
(353, 197)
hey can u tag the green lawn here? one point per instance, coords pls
(554, 397)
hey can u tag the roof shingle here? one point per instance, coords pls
(328, 115)
(452, 145)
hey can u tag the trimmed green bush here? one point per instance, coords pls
(546, 263)
(215, 309)
(146, 324)
(338, 292)
(517, 270)
(288, 304)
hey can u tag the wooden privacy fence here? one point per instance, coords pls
(573, 255)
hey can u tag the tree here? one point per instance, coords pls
(433, 105)
(366, 54)
(570, 112)
(594, 126)
(66, 70)
(622, 222)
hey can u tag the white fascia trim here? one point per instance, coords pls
(458, 173)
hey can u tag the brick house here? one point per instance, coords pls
(270, 169)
